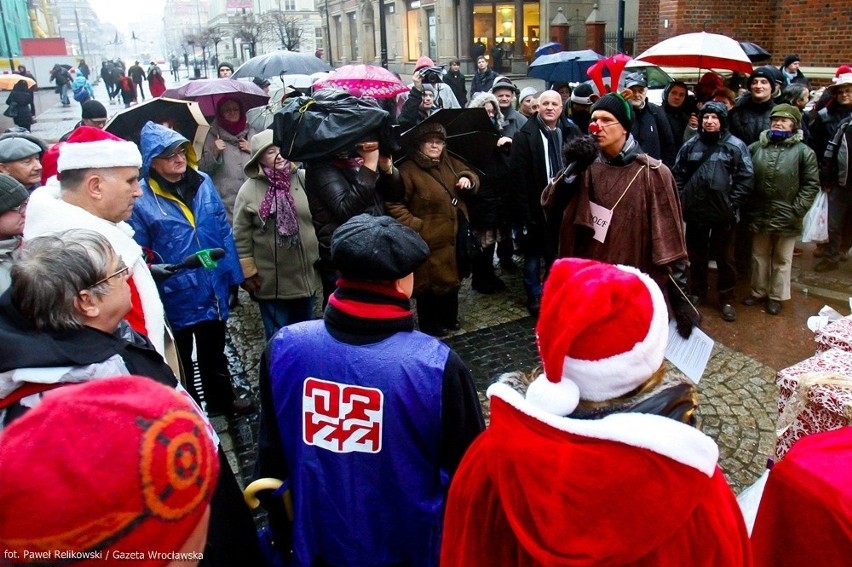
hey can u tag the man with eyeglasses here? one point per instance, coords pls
(627, 210)
(13, 211)
(98, 190)
(180, 213)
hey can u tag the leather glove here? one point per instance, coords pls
(162, 272)
(685, 314)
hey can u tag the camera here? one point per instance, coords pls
(432, 75)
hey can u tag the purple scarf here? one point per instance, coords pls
(279, 202)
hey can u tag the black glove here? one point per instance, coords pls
(162, 272)
(685, 314)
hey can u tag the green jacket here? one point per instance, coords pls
(285, 272)
(786, 182)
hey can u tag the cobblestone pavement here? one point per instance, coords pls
(737, 393)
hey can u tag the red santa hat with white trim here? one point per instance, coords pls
(602, 332)
(92, 148)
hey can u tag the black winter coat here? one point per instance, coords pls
(457, 82)
(748, 118)
(711, 191)
(335, 195)
(651, 129)
(23, 100)
(824, 126)
(482, 82)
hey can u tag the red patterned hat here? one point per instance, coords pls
(119, 464)
(602, 332)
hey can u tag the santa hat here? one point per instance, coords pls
(602, 332)
(92, 148)
(117, 463)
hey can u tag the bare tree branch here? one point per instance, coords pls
(282, 28)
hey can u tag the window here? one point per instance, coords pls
(289, 5)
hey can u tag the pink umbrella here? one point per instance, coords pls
(208, 92)
(363, 80)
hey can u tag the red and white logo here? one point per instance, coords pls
(342, 418)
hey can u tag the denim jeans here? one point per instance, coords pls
(277, 313)
(63, 93)
(532, 276)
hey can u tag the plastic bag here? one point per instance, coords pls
(309, 129)
(815, 223)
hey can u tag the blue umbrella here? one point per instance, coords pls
(564, 67)
(548, 48)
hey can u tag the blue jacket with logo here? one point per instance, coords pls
(172, 230)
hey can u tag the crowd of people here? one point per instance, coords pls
(123, 259)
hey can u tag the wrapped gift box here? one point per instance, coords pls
(814, 395)
(837, 334)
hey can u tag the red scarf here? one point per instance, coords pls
(233, 128)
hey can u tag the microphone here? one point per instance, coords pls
(202, 259)
(579, 154)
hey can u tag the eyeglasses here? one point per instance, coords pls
(174, 156)
(122, 271)
(20, 209)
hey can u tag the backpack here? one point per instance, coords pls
(81, 95)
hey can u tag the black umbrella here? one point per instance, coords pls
(755, 52)
(471, 136)
(280, 63)
(183, 115)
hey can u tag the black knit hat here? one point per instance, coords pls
(12, 193)
(376, 249)
(767, 72)
(225, 64)
(618, 107)
(790, 59)
(717, 108)
(93, 110)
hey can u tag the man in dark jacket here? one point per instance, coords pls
(385, 408)
(137, 75)
(824, 128)
(457, 82)
(678, 105)
(532, 164)
(790, 72)
(62, 78)
(747, 120)
(650, 125)
(713, 173)
(483, 78)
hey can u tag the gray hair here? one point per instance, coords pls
(52, 270)
(794, 92)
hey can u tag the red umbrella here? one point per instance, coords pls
(364, 80)
(702, 50)
(208, 92)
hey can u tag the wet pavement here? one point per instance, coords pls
(737, 392)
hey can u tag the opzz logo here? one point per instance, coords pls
(342, 418)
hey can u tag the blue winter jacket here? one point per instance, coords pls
(173, 231)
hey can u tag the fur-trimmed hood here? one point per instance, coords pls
(480, 100)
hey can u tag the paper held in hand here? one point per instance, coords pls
(689, 355)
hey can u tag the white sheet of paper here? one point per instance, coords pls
(601, 217)
(689, 355)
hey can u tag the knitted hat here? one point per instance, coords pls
(602, 332)
(117, 463)
(584, 94)
(767, 72)
(422, 62)
(616, 105)
(13, 149)
(12, 193)
(376, 249)
(225, 64)
(93, 110)
(787, 111)
(92, 148)
(790, 59)
(503, 83)
(527, 92)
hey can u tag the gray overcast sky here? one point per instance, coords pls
(120, 14)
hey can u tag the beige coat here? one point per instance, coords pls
(285, 273)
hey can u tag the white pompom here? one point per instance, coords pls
(556, 398)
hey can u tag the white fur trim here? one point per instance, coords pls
(99, 154)
(47, 213)
(655, 433)
(608, 378)
(558, 398)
